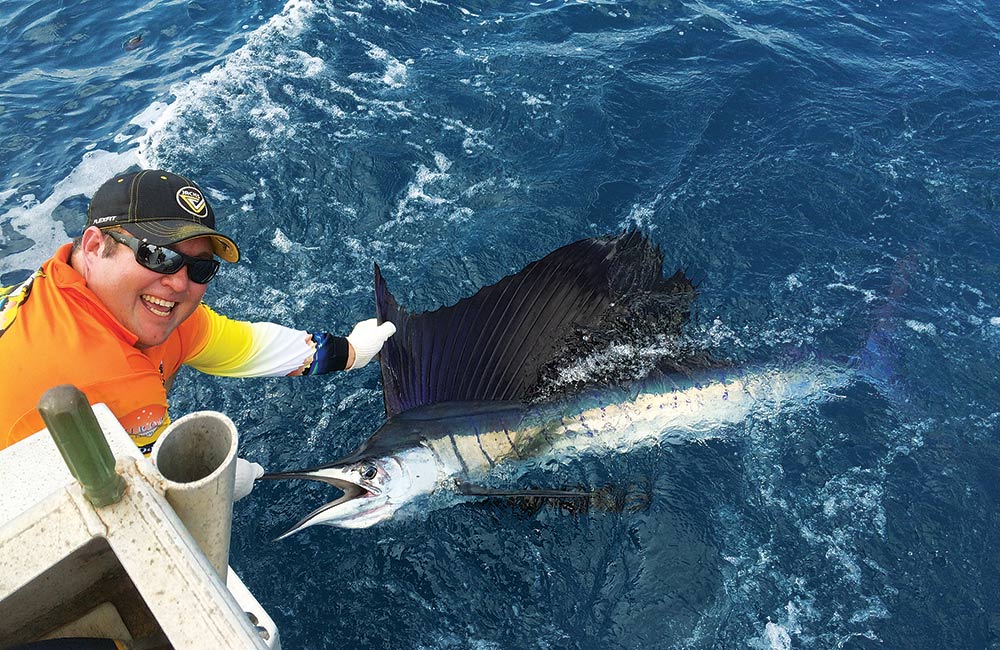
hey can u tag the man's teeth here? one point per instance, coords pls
(166, 304)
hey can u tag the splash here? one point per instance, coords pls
(160, 123)
(238, 89)
(33, 219)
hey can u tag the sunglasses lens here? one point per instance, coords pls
(167, 261)
(159, 259)
(201, 271)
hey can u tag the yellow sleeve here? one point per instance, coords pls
(12, 297)
(235, 348)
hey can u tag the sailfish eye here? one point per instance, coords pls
(368, 471)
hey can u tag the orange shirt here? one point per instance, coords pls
(63, 334)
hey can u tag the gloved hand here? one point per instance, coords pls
(367, 339)
(246, 474)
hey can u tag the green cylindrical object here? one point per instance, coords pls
(81, 442)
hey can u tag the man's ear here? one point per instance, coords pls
(91, 248)
(92, 241)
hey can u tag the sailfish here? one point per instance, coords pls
(481, 388)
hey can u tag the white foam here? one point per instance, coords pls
(425, 177)
(642, 216)
(461, 215)
(312, 66)
(441, 161)
(534, 100)
(33, 219)
(231, 88)
(923, 328)
(619, 355)
(473, 138)
(876, 610)
(777, 637)
(281, 241)
(867, 294)
(399, 5)
(978, 292)
(292, 19)
(417, 190)
(395, 73)
(271, 120)
(357, 397)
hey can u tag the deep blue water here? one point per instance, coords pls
(828, 170)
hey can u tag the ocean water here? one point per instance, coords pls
(827, 170)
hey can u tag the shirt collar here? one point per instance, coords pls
(66, 278)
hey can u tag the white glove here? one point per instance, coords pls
(246, 474)
(367, 339)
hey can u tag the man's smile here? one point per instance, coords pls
(156, 305)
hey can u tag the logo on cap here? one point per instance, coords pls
(191, 200)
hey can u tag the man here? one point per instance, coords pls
(119, 310)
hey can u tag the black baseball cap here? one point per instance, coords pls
(159, 207)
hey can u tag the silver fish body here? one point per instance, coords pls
(675, 409)
(436, 447)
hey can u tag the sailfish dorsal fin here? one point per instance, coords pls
(494, 345)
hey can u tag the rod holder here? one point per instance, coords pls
(196, 456)
(80, 439)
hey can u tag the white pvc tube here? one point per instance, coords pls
(196, 456)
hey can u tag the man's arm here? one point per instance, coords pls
(362, 344)
(234, 348)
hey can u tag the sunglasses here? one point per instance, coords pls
(168, 261)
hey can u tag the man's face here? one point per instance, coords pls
(151, 305)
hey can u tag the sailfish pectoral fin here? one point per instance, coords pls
(610, 498)
(470, 489)
(532, 500)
